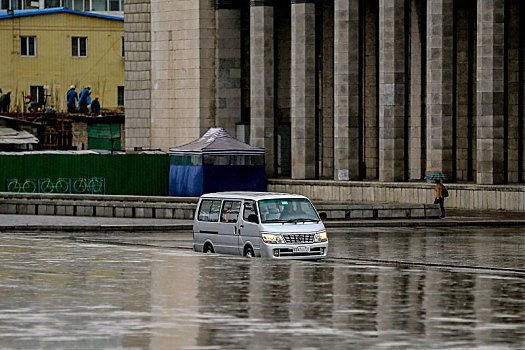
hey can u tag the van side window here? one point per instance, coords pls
(209, 210)
(230, 211)
(249, 208)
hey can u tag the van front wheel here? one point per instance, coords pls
(248, 252)
(208, 249)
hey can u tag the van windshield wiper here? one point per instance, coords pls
(302, 219)
(274, 220)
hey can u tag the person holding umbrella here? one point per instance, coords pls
(441, 191)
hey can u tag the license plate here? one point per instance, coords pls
(301, 249)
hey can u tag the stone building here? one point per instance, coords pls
(384, 90)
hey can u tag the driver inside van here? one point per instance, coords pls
(287, 213)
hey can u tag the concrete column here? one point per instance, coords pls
(228, 64)
(440, 78)
(370, 98)
(182, 71)
(327, 91)
(392, 90)
(283, 99)
(347, 148)
(416, 141)
(303, 89)
(490, 92)
(463, 68)
(513, 81)
(262, 80)
(137, 98)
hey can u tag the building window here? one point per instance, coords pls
(31, 4)
(27, 46)
(120, 97)
(99, 5)
(122, 46)
(79, 46)
(76, 5)
(37, 94)
(52, 3)
(115, 5)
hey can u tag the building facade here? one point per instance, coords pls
(108, 7)
(47, 51)
(386, 90)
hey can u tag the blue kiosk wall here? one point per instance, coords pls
(195, 180)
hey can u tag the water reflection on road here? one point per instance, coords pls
(57, 293)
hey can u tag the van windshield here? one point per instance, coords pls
(287, 210)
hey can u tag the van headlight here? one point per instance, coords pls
(320, 237)
(272, 238)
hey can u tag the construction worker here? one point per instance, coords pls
(84, 99)
(95, 106)
(50, 109)
(5, 101)
(32, 106)
(72, 98)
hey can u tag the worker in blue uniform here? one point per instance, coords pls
(84, 100)
(72, 98)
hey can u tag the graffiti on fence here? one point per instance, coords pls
(27, 186)
(77, 185)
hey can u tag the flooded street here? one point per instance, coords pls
(395, 288)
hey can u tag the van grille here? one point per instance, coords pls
(299, 238)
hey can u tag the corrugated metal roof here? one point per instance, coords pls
(23, 13)
(216, 141)
(10, 136)
(11, 121)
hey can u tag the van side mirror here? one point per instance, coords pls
(253, 218)
(323, 215)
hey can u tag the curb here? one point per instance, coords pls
(434, 223)
(97, 228)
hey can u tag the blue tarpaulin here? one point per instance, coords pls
(216, 162)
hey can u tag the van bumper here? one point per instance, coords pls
(313, 251)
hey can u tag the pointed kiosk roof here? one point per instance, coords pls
(216, 141)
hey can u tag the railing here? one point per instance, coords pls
(76, 185)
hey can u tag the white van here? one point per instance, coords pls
(272, 225)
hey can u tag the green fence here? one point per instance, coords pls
(120, 174)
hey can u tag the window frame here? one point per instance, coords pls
(120, 95)
(37, 93)
(25, 42)
(205, 211)
(246, 212)
(230, 211)
(78, 40)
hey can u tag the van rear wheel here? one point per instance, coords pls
(208, 249)
(248, 252)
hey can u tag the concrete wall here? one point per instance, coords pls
(477, 197)
(183, 208)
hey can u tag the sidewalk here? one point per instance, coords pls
(13, 222)
(9, 222)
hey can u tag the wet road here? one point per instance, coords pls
(392, 288)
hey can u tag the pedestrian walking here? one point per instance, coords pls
(5, 101)
(95, 106)
(441, 193)
(84, 100)
(71, 98)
